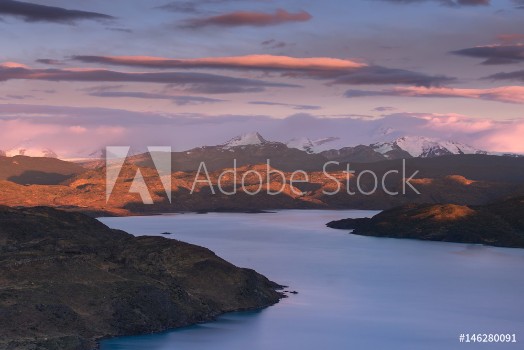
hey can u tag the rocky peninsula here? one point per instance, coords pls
(68, 280)
(498, 224)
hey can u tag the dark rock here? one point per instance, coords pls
(72, 280)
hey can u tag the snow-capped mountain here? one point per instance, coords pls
(252, 138)
(253, 143)
(302, 143)
(407, 146)
(311, 146)
(423, 147)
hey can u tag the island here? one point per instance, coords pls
(500, 223)
(67, 280)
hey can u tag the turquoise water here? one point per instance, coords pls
(354, 292)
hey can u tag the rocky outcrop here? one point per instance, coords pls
(497, 224)
(68, 280)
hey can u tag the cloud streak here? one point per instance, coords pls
(516, 75)
(519, 4)
(180, 6)
(189, 6)
(495, 54)
(509, 94)
(201, 82)
(257, 62)
(294, 106)
(248, 18)
(338, 71)
(49, 61)
(180, 100)
(377, 75)
(510, 38)
(450, 3)
(30, 12)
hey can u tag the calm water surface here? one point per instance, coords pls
(354, 292)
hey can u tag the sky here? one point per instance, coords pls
(76, 75)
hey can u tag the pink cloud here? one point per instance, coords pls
(232, 62)
(457, 122)
(509, 139)
(510, 38)
(487, 134)
(513, 94)
(12, 65)
(68, 141)
(77, 129)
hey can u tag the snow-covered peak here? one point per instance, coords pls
(302, 143)
(311, 146)
(425, 147)
(252, 138)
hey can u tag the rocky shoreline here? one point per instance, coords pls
(498, 224)
(69, 281)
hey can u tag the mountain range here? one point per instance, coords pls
(447, 172)
(253, 145)
(402, 147)
(305, 154)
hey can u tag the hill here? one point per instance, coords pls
(26, 170)
(68, 280)
(456, 179)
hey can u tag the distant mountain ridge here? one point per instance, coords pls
(406, 146)
(311, 146)
(399, 148)
(424, 147)
(255, 145)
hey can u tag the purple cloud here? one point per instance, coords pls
(509, 94)
(30, 12)
(495, 54)
(450, 3)
(294, 106)
(179, 100)
(248, 18)
(516, 75)
(202, 82)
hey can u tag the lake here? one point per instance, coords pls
(354, 292)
